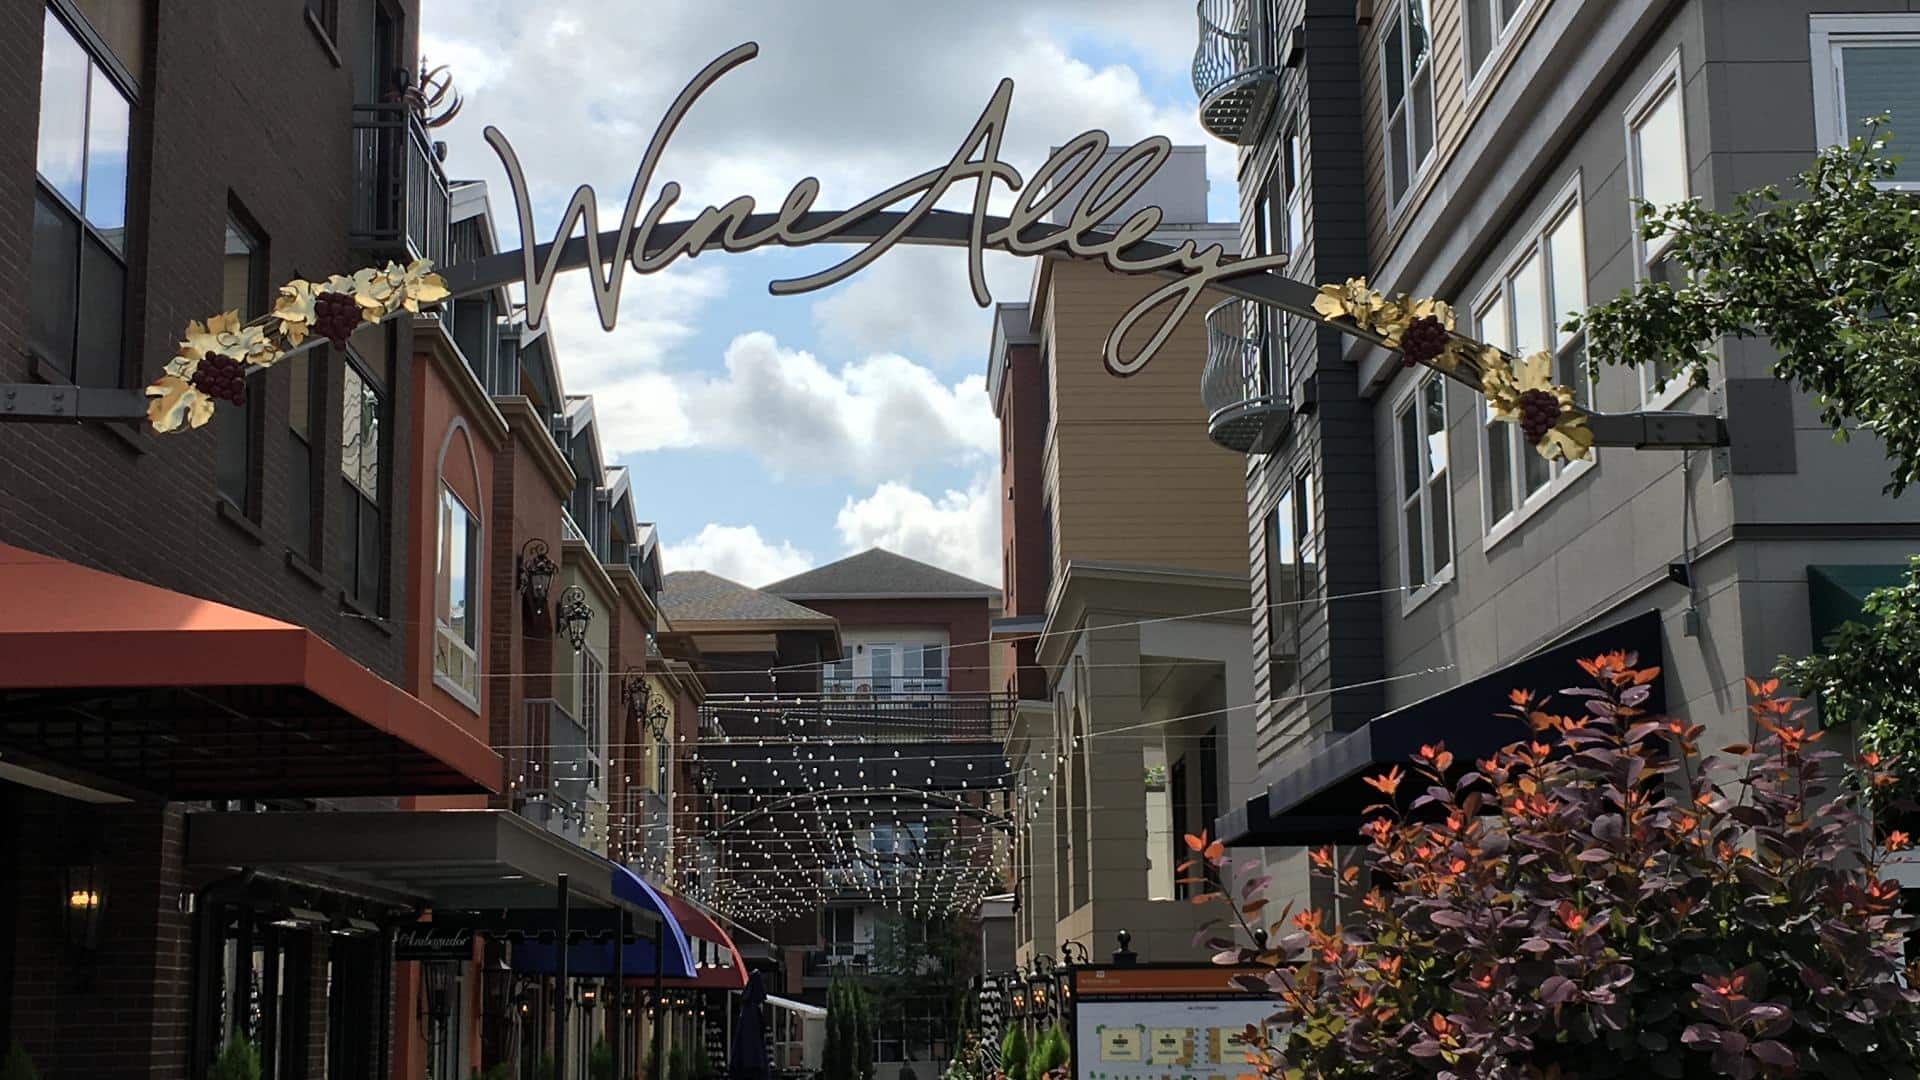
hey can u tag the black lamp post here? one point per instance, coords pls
(1124, 956)
(1038, 982)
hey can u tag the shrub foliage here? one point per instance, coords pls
(1602, 901)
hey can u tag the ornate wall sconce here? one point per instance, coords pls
(572, 615)
(86, 900)
(643, 705)
(533, 574)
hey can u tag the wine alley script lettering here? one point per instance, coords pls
(647, 243)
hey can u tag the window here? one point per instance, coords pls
(1293, 179)
(1864, 65)
(1657, 173)
(1283, 627)
(593, 694)
(326, 16)
(363, 548)
(1523, 313)
(243, 280)
(303, 419)
(1426, 523)
(1487, 24)
(457, 599)
(79, 269)
(1406, 78)
(1261, 322)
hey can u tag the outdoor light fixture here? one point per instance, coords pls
(436, 982)
(643, 705)
(533, 574)
(298, 918)
(86, 898)
(350, 926)
(572, 615)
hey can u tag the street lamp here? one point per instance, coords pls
(572, 615)
(533, 574)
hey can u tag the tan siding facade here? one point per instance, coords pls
(1114, 441)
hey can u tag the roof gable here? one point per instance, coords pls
(878, 572)
(691, 597)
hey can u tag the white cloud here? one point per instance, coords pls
(918, 300)
(736, 552)
(872, 419)
(959, 531)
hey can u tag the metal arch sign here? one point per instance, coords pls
(646, 243)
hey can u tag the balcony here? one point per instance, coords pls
(1233, 69)
(851, 714)
(400, 200)
(1244, 385)
(564, 770)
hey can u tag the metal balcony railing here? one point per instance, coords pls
(1233, 68)
(400, 199)
(948, 716)
(565, 768)
(1244, 385)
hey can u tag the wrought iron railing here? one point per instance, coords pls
(1233, 69)
(1244, 385)
(952, 716)
(400, 197)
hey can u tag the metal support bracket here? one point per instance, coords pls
(1658, 430)
(52, 404)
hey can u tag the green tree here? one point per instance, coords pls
(238, 1060)
(543, 1067)
(1830, 279)
(18, 1066)
(1868, 674)
(1051, 1053)
(1013, 1053)
(600, 1061)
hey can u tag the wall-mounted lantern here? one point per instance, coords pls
(643, 705)
(533, 574)
(86, 900)
(572, 615)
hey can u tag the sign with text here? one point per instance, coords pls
(1162, 1023)
(428, 942)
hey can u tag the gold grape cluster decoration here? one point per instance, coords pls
(1422, 331)
(215, 357)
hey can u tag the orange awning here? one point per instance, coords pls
(103, 678)
(699, 926)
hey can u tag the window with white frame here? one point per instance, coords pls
(1426, 512)
(1657, 174)
(1283, 595)
(1263, 323)
(1487, 24)
(592, 672)
(1865, 65)
(456, 657)
(1406, 80)
(1523, 312)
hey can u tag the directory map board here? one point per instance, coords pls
(1159, 1023)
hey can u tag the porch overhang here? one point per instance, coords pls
(125, 687)
(1317, 795)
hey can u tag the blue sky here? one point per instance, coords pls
(768, 434)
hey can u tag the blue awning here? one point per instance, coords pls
(594, 959)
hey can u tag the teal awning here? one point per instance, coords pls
(1835, 593)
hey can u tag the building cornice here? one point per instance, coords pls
(430, 335)
(529, 423)
(1200, 592)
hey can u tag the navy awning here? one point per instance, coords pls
(594, 958)
(1316, 795)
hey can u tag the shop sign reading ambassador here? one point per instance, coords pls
(646, 243)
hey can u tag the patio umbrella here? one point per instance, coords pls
(747, 1057)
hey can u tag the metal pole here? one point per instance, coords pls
(619, 1013)
(659, 997)
(562, 996)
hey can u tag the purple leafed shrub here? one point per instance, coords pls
(1602, 901)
